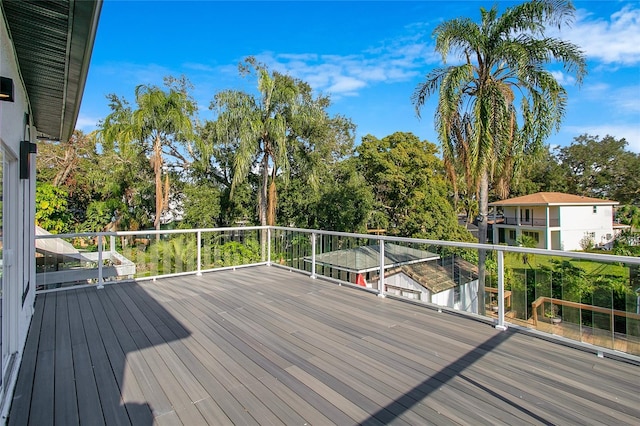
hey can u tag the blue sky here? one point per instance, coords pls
(368, 56)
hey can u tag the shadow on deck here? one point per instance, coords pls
(262, 345)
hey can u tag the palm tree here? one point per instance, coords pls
(503, 65)
(266, 131)
(160, 124)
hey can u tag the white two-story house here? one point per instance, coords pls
(556, 221)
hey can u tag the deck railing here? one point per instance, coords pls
(586, 297)
(537, 221)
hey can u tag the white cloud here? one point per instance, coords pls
(622, 99)
(630, 133)
(393, 60)
(198, 67)
(627, 100)
(615, 40)
(345, 85)
(563, 78)
(87, 124)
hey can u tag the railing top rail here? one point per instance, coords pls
(456, 244)
(148, 232)
(476, 246)
(187, 231)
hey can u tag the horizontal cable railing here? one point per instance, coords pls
(586, 297)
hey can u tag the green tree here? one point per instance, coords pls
(51, 208)
(542, 173)
(201, 204)
(161, 124)
(285, 123)
(601, 168)
(503, 61)
(409, 187)
(629, 215)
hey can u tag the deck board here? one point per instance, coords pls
(264, 345)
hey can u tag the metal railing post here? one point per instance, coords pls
(268, 246)
(112, 243)
(313, 255)
(100, 249)
(381, 279)
(501, 325)
(199, 238)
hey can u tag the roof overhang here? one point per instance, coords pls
(53, 43)
(505, 203)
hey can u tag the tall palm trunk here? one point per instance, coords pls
(157, 170)
(264, 191)
(263, 206)
(483, 206)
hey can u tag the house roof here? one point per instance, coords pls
(437, 277)
(53, 43)
(367, 258)
(553, 199)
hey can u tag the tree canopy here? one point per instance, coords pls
(501, 102)
(160, 127)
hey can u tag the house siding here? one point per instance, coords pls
(578, 221)
(18, 204)
(468, 293)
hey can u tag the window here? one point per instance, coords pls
(512, 234)
(534, 235)
(595, 209)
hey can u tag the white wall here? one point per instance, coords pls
(468, 293)
(18, 218)
(577, 221)
(468, 298)
(401, 280)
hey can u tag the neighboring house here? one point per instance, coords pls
(446, 282)
(556, 221)
(358, 265)
(45, 50)
(409, 272)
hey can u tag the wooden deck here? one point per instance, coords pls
(266, 346)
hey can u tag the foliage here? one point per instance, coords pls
(541, 173)
(601, 168)
(101, 215)
(285, 127)
(201, 205)
(478, 120)
(51, 208)
(345, 202)
(235, 253)
(175, 254)
(587, 243)
(528, 242)
(342, 202)
(409, 187)
(629, 215)
(627, 244)
(159, 127)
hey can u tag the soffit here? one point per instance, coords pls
(53, 42)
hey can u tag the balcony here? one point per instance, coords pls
(532, 222)
(209, 333)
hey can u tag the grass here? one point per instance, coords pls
(589, 266)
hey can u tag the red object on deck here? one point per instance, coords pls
(361, 281)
